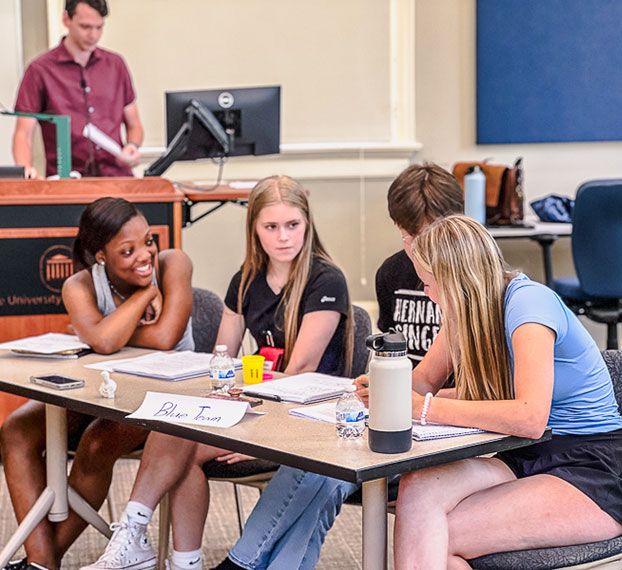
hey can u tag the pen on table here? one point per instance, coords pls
(272, 397)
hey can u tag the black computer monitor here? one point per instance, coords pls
(12, 172)
(220, 123)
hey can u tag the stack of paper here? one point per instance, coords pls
(49, 345)
(306, 388)
(172, 366)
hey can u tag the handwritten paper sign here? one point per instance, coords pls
(179, 409)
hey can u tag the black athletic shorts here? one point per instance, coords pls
(592, 463)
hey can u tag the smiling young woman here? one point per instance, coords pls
(125, 292)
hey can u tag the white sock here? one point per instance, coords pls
(138, 512)
(187, 560)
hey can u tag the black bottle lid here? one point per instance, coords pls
(391, 341)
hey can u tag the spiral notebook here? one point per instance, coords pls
(439, 431)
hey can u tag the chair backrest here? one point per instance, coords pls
(597, 237)
(362, 329)
(207, 310)
(613, 360)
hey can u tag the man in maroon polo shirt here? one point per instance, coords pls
(87, 83)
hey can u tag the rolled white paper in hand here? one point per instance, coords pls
(101, 139)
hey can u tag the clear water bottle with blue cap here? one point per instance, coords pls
(221, 370)
(350, 414)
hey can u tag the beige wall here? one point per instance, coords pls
(325, 54)
(10, 71)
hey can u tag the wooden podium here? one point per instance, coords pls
(38, 221)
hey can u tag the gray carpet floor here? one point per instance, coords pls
(341, 551)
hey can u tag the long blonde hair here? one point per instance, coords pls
(472, 277)
(286, 190)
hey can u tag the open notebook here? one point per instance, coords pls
(326, 413)
(439, 431)
(306, 388)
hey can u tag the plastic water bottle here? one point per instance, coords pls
(475, 195)
(350, 414)
(221, 370)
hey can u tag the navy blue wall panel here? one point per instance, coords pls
(549, 70)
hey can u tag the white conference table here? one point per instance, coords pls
(276, 436)
(545, 233)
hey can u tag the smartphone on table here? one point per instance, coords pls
(57, 381)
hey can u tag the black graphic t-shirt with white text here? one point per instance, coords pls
(404, 306)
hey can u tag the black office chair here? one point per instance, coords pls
(606, 554)
(596, 291)
(207, 310)
(362, 329)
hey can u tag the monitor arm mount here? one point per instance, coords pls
(194, 111)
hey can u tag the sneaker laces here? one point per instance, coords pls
(124, 535)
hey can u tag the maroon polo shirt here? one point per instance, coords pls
(54, 83)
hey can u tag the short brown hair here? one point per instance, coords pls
(421, 194)
(99, 5)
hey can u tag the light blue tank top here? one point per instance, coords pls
(105, 303)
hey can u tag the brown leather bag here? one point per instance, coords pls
(504, 192)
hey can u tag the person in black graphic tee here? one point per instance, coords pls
(418, 196)
(404, 306)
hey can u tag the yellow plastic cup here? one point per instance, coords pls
(252, 368)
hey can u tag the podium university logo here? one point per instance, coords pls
(55, 265)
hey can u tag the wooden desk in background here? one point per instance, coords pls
(234, 192)
(276, 436)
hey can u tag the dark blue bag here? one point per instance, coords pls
(554, 208)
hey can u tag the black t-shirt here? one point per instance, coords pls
(326, 290)
(403, 305)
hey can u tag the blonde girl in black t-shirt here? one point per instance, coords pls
(288, 287)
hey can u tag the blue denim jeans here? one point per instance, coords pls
(288, 525)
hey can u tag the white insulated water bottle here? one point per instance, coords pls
(475, 195)
(390, 399)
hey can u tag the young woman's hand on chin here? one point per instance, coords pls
(154, 308)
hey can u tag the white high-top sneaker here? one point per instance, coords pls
(128, 549)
